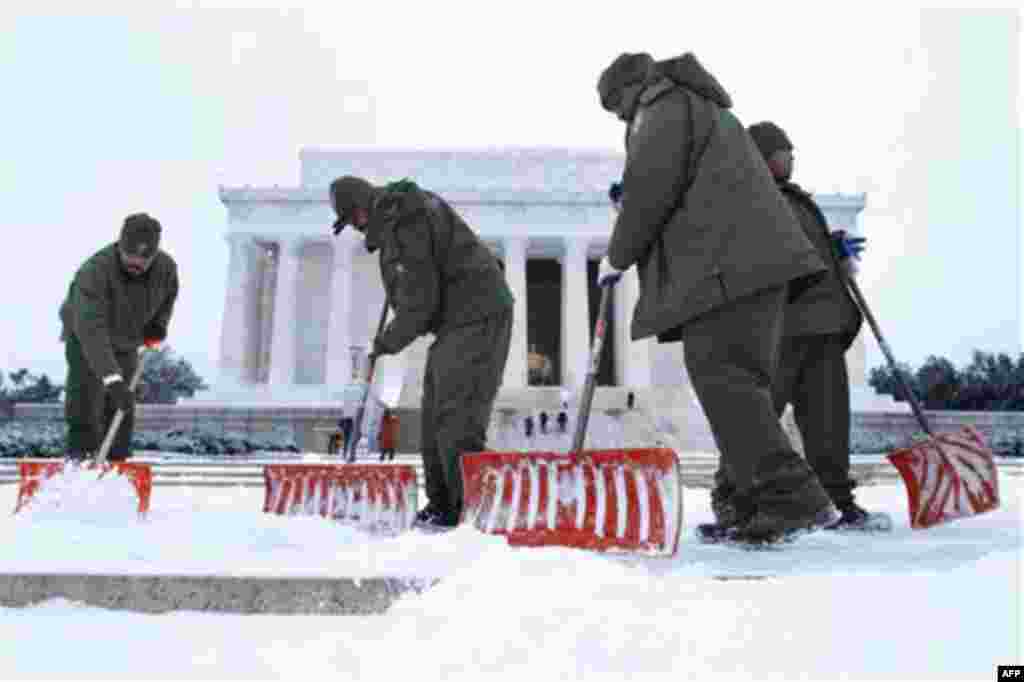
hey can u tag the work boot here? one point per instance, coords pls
(722, 504)
(788, 499)
(732, 511)
(437, 516)
(854, 517)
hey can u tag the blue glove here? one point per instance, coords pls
(615, 193)
(847, 246)
(606, 274)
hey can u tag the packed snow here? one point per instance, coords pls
(938, 604)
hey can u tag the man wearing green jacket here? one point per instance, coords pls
(718, 254)
(442, 280)
(120, 298)
(818, 330)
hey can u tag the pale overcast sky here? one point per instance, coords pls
(149, 106)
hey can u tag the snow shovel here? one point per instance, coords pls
(379, 497)
(33, 472)
(948, 476)
(604, 500)
(357, 427)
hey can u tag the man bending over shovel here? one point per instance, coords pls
(440, 279)
(120, 298)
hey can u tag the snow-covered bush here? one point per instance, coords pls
(1006, 442)
(31, 439)
(47, 439)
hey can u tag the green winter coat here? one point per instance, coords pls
(437, 273)
(701, 217)
(108, 311)
(826, 307)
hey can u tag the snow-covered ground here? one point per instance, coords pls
(938, 604)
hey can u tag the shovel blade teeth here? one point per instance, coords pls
(948, 477)
(376, 497)
(33, 473)
(602, 500)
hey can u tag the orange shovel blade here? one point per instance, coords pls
(604, 500)
(376, 496)
(31, 474)
(948, 477)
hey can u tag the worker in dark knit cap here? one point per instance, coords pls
(121, 298)
(817, 331)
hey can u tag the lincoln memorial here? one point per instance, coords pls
(301, 305)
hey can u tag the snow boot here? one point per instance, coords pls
(732, 510)
(853, 517)
(436, 518)
(723, 506)
(78, 456)
(787, 501)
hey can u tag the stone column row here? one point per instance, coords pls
(633, 365)
(239, 329)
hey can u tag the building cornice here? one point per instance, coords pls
(510, 197)
(500, 197)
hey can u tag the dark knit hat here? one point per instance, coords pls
(769, 138)
(140, 235)
(348, 193)
(627, 69)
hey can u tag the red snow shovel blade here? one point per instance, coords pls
(32, 473)
(948, 477)
(605, 500)
(379, 497)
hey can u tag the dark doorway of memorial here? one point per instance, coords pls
(544, 321)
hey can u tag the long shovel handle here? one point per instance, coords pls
(357, 427)
(904, 384)
(596, 346)
(115, 424)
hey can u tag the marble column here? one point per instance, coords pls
(575, 314)
(633, 357)
(236, 333)
(283, 343)
(339, 336)
(515, 272)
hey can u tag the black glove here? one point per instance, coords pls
(615, 192)
(120, 396)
